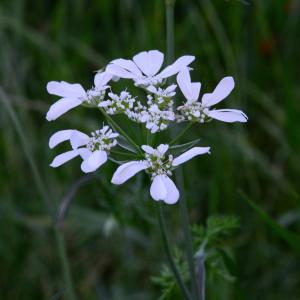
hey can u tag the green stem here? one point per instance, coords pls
(187, 235)
(65, 263)
(180, 134)
(166, 243)
(183, 207)
(170, 30)
(120, 130)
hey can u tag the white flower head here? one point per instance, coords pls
(118, 103)
(74, 95)
(159, 166)
(144, 68)
(93, 149)
(195, 110)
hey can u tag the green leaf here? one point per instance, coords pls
(292, 239)
(183, 147)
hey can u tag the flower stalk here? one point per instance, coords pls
(162, 227)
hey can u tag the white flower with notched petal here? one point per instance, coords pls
(144, 67)
(74, 94)
(92, 149)
(160, 167)
(194, 110)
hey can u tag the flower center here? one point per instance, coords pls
(103, 139)
(94, 96)
(146, 81)
(194, 111)
(158, 164)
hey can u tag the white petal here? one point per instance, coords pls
(228, 115)
(158, 190)
(63, 158)
(189, 155)
(94, 161)
(195, 90)
(152, 89)
(59, 137)
(147, 149)
(143, 62)
(190, 90)
(128, 65)
(102, 78)
(119, 72)
(65, 89)
(171, 88)
(84, 153)
(78, 139)
(127, 170)
(221, 91)
(177, 66)
(163, 148)
(156, 59)
(172, 191)
(60, 107)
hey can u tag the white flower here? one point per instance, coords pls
(74, 94)
(144, 67)
(118, 103)
(201, 111)
(92, 149)
(168, 92)
(160, 168)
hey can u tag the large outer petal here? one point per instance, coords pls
(189, 155)
(94, 161)
(172, 191)
(158, 190)
(177, 66)
(128, 170)
(63, 158)
(65, 89)
(190, 90)
(128, 65)
(149, 62)
(120, 72)
(222, 90)
(61, 107)
(59, 137)
(78, 139)
(228, 115)
(102, 78)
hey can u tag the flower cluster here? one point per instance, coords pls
(156, 109)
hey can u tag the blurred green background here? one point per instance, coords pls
(111, 233)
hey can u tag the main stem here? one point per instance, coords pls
(65, 263)
(179, 177)
(166, 243)
(186, 231)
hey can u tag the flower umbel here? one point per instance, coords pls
(155, 108)
(74, 95)
(196, 111)
(144, 67)
(93, 149)
(159, 167)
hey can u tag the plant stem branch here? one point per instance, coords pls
(179, 177)
(186, 231)
(120, 130)
(170, 30)
(166, 243)
(181, 133)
